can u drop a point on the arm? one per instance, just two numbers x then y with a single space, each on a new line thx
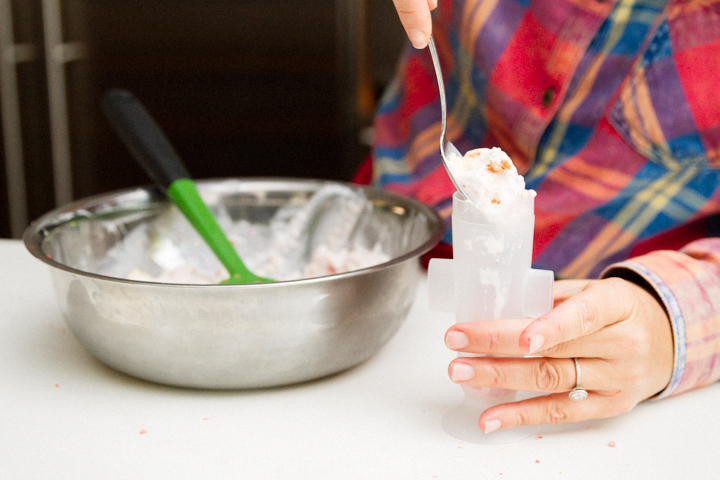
651 326
688 285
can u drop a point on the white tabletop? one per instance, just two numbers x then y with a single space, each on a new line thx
65 415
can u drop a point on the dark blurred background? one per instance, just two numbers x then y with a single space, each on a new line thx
241 87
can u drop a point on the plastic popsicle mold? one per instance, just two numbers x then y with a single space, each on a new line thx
489 278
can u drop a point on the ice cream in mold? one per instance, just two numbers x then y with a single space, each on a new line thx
490 276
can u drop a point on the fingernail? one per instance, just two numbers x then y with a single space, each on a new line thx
536 342
492 425
433 4
456 340
418 38
462 372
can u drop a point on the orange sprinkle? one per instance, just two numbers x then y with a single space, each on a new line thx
499 167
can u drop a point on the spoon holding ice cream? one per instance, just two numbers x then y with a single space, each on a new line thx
448 151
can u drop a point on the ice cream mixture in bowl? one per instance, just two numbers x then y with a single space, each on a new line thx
140 289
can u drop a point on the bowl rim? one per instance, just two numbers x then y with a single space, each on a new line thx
39 229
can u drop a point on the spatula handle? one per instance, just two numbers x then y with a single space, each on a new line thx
143 137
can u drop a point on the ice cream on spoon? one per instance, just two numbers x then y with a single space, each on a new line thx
488 177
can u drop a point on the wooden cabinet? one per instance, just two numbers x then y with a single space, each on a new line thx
241 88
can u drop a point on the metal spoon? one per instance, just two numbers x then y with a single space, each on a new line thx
153 151
446 147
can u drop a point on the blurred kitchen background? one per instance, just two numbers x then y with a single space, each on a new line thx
241 87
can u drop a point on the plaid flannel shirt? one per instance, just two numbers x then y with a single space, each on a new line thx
609 109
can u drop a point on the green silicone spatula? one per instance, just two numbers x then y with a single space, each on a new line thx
147 143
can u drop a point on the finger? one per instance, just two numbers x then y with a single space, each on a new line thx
415 18
553 409
564 289
498 337
607 344
600 304
539 374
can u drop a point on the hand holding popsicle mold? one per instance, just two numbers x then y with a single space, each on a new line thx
617 329
415 17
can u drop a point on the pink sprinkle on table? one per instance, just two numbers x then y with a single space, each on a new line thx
611 444
143 431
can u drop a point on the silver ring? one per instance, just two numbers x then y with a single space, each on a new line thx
578 393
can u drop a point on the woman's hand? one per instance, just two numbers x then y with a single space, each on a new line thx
415 17
619 332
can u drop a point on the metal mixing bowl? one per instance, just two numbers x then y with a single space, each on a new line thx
229 336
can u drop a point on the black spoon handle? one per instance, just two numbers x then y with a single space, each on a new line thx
143 137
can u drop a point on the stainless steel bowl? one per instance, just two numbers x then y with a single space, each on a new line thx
229 336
